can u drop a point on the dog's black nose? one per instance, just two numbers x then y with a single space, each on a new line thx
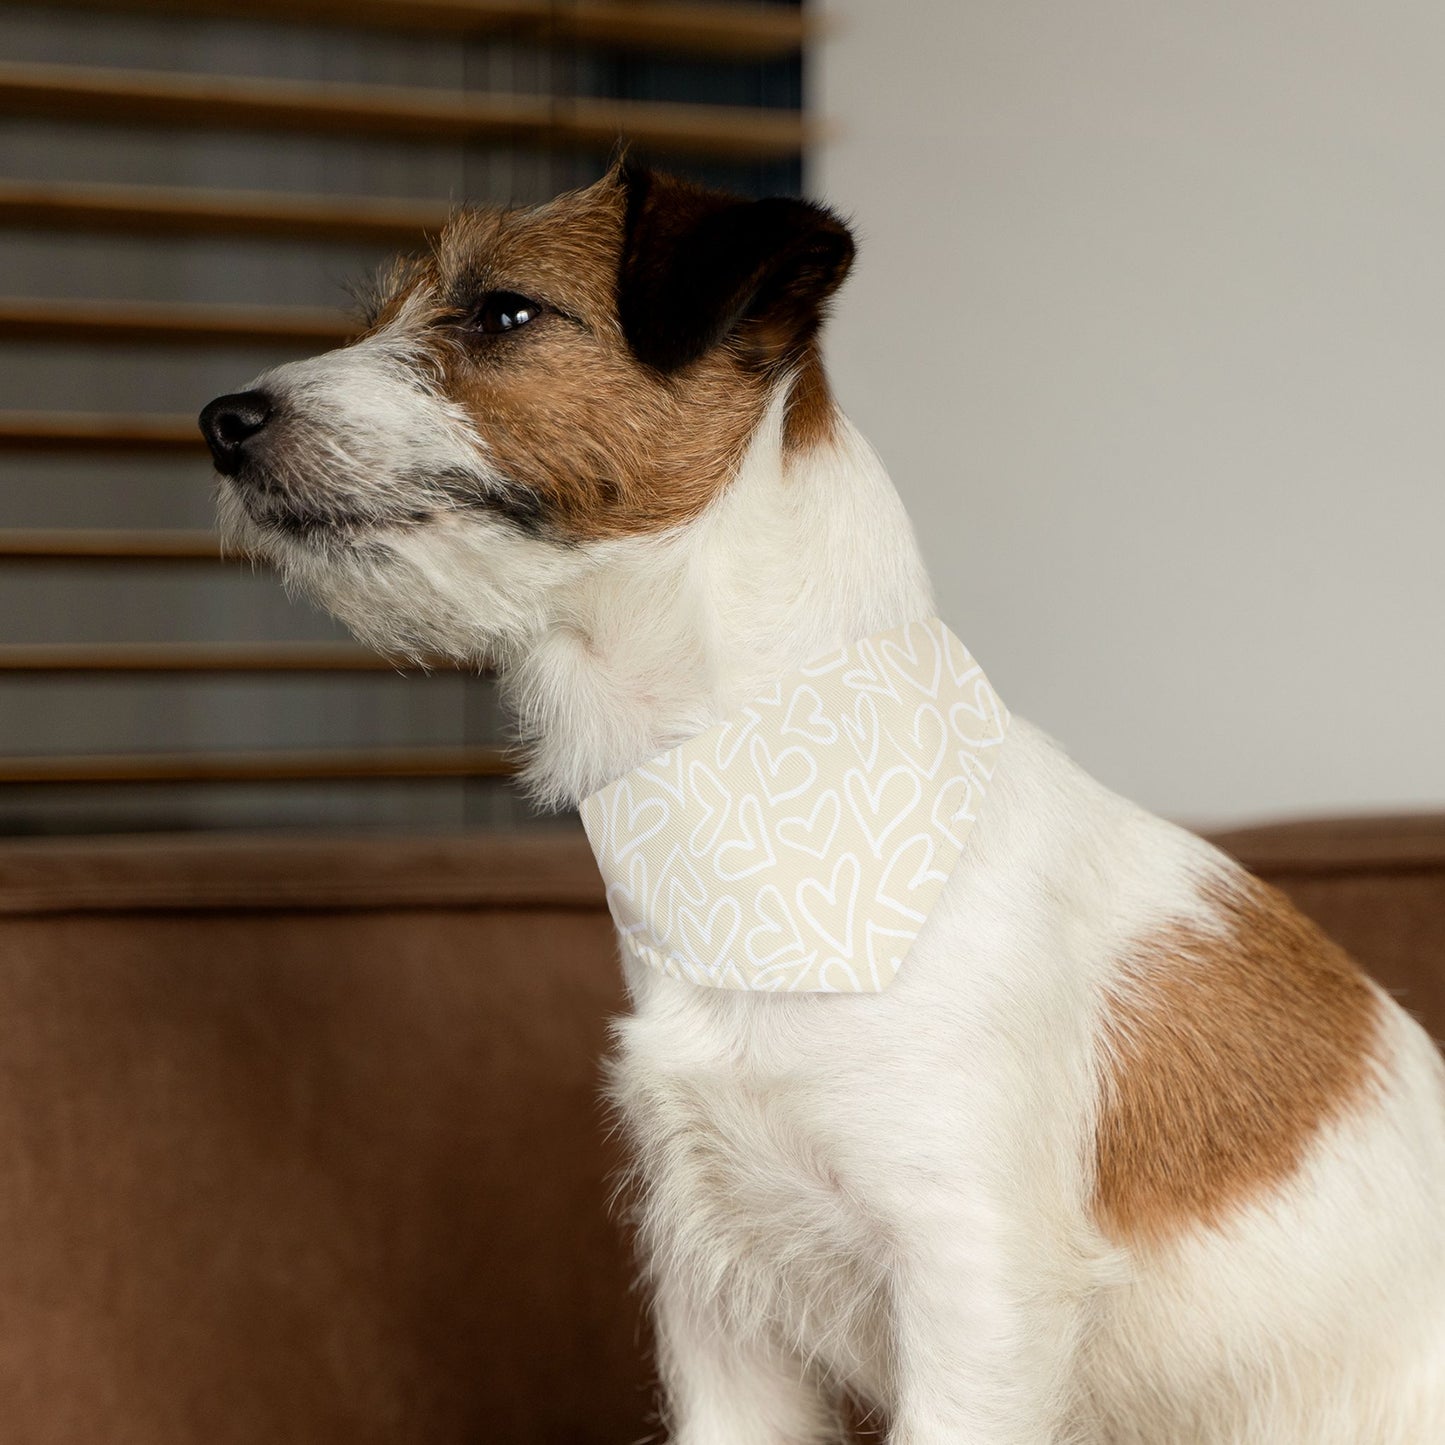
229 422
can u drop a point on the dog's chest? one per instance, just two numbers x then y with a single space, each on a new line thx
745 1164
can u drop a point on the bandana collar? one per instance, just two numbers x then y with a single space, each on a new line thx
799 846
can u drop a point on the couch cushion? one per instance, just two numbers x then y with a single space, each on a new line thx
302 1143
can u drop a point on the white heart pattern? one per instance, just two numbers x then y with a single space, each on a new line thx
759 855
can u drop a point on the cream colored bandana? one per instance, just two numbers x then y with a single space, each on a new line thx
799 846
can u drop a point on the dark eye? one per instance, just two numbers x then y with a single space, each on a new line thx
504 311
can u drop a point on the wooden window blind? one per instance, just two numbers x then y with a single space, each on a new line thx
186 186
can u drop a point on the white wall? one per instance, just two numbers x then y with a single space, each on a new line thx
1149 324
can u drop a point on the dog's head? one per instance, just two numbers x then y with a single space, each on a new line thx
544 383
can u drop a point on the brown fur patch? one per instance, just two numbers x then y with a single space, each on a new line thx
1227 1052
812 415
604 444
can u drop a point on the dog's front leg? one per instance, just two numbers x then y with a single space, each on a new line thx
722 1387
984 1337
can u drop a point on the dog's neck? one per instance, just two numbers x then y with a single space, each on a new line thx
804 552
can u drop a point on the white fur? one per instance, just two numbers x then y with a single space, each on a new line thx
890 1194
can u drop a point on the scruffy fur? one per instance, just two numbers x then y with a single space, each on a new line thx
1128 1154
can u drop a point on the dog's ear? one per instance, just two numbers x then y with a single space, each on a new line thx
700 266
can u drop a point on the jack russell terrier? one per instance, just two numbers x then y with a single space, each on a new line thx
957 1086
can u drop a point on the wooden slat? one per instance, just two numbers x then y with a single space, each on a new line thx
173 211
81 544
759 32
77 431
221 102
331 765
171 323
705 29
293 869
188 657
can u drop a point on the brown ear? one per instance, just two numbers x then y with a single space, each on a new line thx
699 266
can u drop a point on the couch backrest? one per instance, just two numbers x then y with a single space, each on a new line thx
302 1142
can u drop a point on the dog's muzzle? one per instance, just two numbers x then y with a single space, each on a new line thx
231 423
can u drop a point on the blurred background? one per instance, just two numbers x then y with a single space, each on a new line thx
1149 324
187 194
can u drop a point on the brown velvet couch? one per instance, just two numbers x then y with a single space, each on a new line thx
302 1142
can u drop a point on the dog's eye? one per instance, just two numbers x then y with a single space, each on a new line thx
504 311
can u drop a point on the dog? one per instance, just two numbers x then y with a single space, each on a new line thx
1128 1152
